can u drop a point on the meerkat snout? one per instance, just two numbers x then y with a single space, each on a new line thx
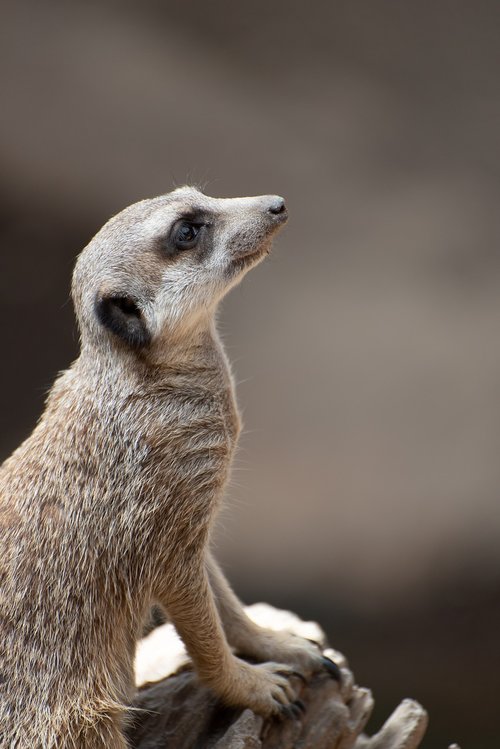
160 267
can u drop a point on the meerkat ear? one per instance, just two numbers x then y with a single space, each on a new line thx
121 315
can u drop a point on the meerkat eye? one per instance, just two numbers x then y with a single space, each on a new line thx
185 234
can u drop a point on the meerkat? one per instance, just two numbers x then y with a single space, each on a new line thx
106 509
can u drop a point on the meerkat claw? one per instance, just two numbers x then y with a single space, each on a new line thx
300 706
332 668
290 711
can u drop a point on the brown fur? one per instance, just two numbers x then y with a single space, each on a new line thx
107 506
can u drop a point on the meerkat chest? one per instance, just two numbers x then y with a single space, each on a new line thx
193 433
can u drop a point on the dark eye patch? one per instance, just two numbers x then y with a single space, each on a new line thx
190 232
185 235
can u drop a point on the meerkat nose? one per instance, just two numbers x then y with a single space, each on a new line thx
277 205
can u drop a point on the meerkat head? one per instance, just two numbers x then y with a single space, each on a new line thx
159 268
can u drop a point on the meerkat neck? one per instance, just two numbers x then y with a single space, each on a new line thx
102 368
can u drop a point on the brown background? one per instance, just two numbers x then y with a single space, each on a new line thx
367 347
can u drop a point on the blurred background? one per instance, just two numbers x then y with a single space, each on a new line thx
366 492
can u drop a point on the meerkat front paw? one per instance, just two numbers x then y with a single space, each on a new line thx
265 688
304 655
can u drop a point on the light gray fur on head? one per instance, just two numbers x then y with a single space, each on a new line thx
173 291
